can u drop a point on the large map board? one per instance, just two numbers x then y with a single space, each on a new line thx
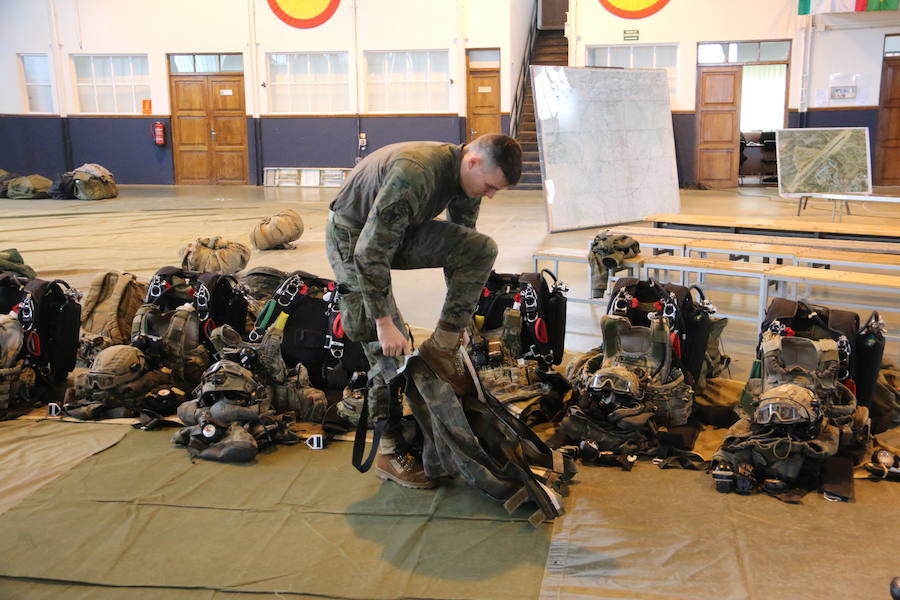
606 145
828 160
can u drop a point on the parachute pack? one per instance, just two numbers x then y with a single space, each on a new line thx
800 410
107 312
539 306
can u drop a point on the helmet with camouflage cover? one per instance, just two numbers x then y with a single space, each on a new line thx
114 367
228 379
788 409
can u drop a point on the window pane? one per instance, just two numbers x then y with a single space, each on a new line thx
745 52
376 97
440 67
281 98
774 50
233 63
892 43
37 68
122 68
762 97
667 56
319 98
375 66
418 97
396 66
83 69
418 66
397 100
105 100
141 93
340 97
711 53
140 69
102 69
484 59
39 98
642 57
181 63
300 98
124 101
299 67
207 63
440 96
279 70
339 66
620 56
86 100
318 67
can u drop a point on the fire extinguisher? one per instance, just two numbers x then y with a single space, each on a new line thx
159 133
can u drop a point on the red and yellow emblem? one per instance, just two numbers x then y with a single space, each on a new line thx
633 9
304 13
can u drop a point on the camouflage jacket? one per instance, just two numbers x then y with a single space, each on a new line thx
392 190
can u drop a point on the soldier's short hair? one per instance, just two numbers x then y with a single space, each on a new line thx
502 151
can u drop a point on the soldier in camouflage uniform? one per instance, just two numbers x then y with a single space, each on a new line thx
383 218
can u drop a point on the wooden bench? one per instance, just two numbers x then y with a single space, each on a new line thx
815 229
848 245
706 266
863 260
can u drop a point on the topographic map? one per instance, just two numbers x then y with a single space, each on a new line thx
824 161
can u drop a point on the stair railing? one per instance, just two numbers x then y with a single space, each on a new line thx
519 98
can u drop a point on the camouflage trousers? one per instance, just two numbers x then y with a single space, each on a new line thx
467 258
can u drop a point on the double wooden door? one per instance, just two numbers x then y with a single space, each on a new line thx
209 129
887 153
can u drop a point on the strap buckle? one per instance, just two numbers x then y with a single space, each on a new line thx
335 347
288 290
315 441
54 409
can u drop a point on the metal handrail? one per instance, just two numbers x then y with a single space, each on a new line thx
519 98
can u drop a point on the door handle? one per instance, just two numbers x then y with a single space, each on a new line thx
212 132
474 131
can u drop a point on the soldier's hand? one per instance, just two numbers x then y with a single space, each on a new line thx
393 342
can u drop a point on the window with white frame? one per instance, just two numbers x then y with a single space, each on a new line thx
111 83
36 69
638 56
416 81
308 82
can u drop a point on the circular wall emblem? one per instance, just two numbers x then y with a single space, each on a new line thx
304 13
633 9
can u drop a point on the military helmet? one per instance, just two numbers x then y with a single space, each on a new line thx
227 378
11 336
612 388
115 366
789 408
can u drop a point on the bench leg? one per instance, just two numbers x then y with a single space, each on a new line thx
763 298
701 276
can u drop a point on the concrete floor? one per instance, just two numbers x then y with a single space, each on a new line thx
142 229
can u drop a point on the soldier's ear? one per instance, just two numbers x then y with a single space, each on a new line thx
472 161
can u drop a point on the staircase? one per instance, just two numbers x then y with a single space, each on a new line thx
550 48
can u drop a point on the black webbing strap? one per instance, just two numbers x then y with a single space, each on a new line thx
359 440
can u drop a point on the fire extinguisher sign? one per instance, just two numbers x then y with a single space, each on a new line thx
147 107
304 14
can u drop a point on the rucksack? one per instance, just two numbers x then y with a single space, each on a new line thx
94 182
278 231
108 310
172 339
314 334
696 332
16 379
12 261
216 297
542 307
214 255
5 178
50 317
28 187
64 187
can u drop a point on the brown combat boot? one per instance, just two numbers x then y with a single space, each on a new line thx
447 364
403 469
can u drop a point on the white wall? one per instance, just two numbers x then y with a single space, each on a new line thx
172 26
520 23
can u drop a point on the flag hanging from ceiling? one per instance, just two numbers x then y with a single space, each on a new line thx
815 7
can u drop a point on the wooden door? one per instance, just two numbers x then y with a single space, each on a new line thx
552 14
483 106
209 129
718 126
887 147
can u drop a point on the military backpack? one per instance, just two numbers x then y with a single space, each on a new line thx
108 310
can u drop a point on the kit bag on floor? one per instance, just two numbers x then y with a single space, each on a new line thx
11 261
542 307
64 187
261 282
16 379
51 318
5 178
29 187
696 332
278 231
314 333
94 182
109 307
214 255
